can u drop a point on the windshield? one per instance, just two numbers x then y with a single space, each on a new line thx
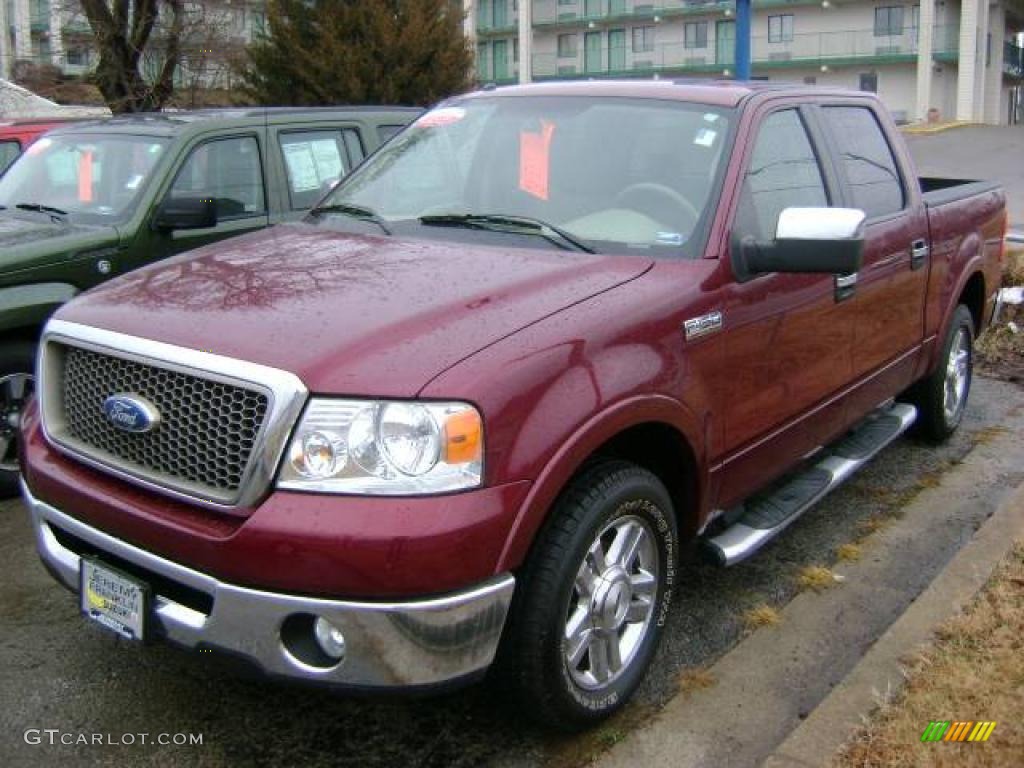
96 179
618 174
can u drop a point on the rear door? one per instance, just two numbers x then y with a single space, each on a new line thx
890 290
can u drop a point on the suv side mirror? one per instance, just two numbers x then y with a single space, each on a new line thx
827 240
186 213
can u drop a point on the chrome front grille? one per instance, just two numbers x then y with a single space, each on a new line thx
207 428
223 422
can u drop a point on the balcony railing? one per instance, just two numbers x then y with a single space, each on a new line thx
811 49
1013 60
551 12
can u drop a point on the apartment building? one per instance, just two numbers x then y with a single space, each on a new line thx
958 59
56 32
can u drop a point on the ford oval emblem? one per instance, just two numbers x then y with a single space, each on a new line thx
131 413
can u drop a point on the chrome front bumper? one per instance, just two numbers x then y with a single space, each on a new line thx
388 645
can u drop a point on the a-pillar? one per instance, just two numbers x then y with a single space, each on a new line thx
925 45
525 41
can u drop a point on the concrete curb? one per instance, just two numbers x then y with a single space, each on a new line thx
879 673
923 129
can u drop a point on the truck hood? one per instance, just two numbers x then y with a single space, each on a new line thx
349 314
35 240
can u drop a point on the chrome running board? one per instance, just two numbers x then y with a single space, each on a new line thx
767 514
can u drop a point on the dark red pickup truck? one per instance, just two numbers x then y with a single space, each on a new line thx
472 407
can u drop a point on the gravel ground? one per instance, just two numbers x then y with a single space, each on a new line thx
63 674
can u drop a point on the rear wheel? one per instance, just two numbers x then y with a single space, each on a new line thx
594 597
942 397
16 384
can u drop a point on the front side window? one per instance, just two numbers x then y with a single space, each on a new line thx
696 34
623 174
780 28
889 21
783 173
94 178
867 160
8 151
229 171
314 162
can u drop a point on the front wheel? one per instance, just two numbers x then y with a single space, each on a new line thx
16 384
595 596
942 397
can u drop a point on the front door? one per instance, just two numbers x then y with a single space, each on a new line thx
725 43
592 52
616 50
786 337
500 59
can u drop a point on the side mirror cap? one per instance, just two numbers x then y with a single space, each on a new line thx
186 213
809 240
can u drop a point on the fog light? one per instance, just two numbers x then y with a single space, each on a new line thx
329 638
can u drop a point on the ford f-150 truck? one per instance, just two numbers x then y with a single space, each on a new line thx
468 412
93 200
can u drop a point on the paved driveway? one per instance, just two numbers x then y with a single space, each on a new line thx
976 152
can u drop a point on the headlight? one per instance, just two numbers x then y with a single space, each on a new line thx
386 448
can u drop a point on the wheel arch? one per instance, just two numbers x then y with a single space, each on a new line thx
655 432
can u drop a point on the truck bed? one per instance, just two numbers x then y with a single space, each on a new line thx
937 190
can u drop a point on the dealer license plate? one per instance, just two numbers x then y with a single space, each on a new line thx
114 599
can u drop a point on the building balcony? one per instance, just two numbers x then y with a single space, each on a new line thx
552 13
817 50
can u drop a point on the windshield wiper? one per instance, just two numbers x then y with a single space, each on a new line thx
499 222
40 208
355 211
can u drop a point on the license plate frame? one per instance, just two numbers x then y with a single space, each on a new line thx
114 599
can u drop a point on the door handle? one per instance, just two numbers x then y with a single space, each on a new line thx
846 286
919 251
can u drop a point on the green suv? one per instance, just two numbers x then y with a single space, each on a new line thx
91 201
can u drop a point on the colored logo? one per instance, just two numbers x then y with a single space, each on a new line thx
958 730
131 413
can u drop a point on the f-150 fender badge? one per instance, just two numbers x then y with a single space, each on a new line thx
704 325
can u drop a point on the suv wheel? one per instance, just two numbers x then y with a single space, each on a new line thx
595 596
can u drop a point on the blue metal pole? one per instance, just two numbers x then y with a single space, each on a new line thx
742 39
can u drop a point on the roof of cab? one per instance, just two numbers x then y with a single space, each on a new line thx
174 123
720 93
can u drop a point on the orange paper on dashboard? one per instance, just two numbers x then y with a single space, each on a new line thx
534 160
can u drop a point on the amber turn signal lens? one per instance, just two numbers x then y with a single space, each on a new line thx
462 433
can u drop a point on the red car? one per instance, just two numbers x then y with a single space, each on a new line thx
473 406
16 135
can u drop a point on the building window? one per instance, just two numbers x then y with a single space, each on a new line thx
810 80
869 82
567 2
697 34
780 28
889 21
567 46
643 39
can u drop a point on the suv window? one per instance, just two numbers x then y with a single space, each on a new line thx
227 170
9 150
385 132
783 173
314 162
867 159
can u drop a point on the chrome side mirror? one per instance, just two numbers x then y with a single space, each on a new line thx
814 240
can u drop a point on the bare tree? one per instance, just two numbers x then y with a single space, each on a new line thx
123 29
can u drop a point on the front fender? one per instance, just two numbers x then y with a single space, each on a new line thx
28 306
584 441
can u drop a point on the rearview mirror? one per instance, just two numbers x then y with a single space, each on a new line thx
814 240
186 213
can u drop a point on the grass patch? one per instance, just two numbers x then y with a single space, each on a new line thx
848 553
762 616
695 679
816 577
973 671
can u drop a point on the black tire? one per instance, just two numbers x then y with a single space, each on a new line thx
936 422
605 495
16 359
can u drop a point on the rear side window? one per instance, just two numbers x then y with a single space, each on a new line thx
867 160
783 173
228 170
385 132
9 150
315 161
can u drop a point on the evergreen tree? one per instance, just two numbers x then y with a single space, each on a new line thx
358 52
